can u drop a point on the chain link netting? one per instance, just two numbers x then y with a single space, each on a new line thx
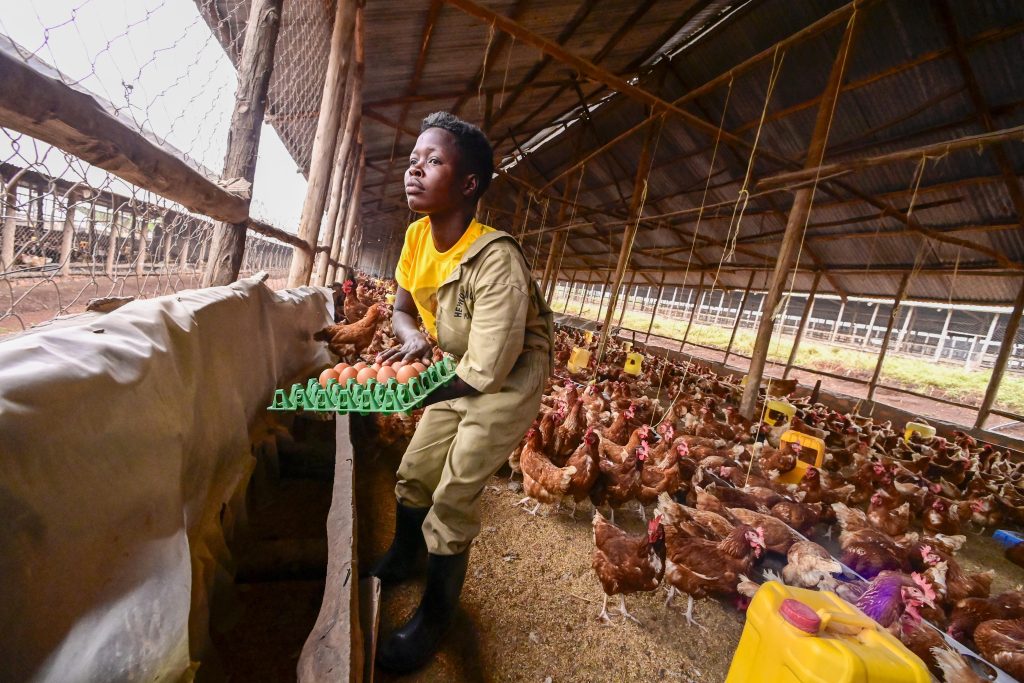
72 232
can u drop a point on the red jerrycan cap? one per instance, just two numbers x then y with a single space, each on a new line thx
800 615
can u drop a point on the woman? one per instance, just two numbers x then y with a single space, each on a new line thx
473 290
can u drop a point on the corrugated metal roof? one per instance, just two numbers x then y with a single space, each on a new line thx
904 87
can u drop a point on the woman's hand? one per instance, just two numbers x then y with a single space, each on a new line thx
415 347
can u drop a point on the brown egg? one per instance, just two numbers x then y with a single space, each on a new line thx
385 373
406 373
375 367
360 365
365 375
327 375
420 367
397 365
346 375
340 368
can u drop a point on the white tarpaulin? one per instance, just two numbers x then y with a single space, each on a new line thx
125 440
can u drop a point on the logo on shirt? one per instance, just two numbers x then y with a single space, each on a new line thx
460 306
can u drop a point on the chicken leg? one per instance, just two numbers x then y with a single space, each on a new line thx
624 612
689 614
526 500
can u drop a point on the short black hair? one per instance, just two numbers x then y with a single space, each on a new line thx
477 155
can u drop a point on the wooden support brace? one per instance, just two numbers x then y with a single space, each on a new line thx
888 335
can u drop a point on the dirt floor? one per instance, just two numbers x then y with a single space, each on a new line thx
530 604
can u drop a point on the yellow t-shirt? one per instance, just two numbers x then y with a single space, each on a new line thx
422 268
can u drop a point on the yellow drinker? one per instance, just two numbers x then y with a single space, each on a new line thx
634 363
926 431
794 635
578 359
812 452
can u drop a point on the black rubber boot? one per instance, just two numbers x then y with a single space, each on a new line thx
412 646
407 547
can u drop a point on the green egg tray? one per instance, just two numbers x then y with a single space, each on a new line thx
372 397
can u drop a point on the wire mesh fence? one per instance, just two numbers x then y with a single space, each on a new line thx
941 354
72 232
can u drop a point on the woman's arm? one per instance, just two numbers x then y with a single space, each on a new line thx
414 344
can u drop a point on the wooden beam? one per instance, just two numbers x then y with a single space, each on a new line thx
37 103
654 308
797 220
888 334
635 209
936 149
828 21
254 69
802 327
322 155
999 369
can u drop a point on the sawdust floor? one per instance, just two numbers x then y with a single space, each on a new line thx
530 602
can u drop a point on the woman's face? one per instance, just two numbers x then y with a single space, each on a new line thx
433 180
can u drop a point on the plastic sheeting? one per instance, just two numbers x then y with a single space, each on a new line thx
125 441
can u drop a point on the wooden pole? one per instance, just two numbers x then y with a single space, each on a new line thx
340 220
108 268
586 293
557 243
942 336
904 328
68 236
255 66
739 315
796 222
348 157
322 155
140 262
352 219
635 209
871 326
984 344
605 290
697 300
838 321
187 228
568 294
654 308
888 335
168 241
802 327
1005 350
625 297
10 226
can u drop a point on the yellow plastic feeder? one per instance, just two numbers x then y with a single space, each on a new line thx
797 635
634 363
812 452
390 298
628 345
588 336
925 431
578 359
778 412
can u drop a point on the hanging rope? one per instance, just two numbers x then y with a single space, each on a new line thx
504 80
572 217
483 71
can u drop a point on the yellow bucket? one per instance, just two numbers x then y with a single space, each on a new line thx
588 336
777 412
795 635
634 363
812 452
926 431
578 359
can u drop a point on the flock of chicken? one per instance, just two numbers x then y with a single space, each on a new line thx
720 510
719 514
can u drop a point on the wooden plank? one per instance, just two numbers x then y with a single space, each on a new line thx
37 103
802 327
334 649
254 68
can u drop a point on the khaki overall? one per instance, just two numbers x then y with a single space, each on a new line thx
492 316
